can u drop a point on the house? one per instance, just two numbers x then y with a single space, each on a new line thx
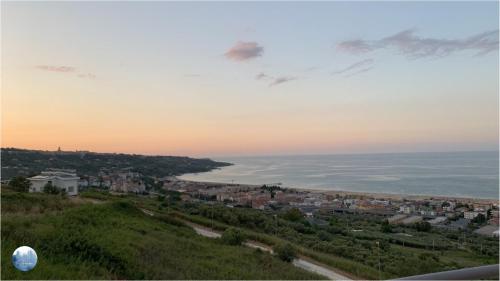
407 209
471 215
66 180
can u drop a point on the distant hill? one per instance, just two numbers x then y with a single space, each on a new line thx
17 161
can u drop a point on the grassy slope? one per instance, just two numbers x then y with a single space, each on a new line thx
76 240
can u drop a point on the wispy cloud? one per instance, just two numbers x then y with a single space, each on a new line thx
354 66
66 69
243 51
281 80
359 72
274 80
262 76
192 75
56 68
87 75
413 46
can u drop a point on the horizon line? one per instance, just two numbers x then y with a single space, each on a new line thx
262 155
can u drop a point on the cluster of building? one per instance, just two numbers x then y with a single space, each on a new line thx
120 180
445 213
438 212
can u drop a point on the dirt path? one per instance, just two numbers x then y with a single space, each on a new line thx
301 262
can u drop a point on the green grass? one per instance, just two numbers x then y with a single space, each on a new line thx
115 240
354 252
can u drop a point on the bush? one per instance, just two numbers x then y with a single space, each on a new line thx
285 252
232 236
423 226
20 184
386 227
51 189
293 214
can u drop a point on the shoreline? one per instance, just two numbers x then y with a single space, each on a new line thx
375 195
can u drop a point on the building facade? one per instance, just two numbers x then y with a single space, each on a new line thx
66 180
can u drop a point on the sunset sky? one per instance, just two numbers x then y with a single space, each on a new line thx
210 79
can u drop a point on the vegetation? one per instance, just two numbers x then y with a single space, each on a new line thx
51 189
423 226
285 252
77 238
233 236
20 183
30 162
385 226
354 242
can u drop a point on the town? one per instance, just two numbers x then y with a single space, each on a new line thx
480 216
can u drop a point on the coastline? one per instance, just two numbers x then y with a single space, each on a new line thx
358 194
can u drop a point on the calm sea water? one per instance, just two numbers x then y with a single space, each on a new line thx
461 174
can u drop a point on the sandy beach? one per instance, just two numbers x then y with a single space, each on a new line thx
358 194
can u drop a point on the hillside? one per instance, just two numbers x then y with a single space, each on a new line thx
81 238
28 162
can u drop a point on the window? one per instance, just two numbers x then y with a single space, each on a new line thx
70 189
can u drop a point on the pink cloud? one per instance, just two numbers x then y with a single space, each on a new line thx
243 51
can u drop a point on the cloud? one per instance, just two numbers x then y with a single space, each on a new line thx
192 75
281 80
355 46
413 46
87 75
262 76
354 66
274 80
66 69
55 68
359 72
243 51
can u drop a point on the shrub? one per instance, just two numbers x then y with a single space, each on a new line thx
285 252
20 184
293 214
51 189
232 236
423 226
386 227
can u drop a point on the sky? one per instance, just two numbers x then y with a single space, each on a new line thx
250 78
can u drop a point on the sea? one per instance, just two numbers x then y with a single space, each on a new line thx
454 174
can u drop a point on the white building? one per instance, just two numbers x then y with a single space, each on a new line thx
473 214
407 209
63 179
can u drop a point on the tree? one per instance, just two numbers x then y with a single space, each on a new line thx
423 226
479 219
51 189
293 214
232 236
20 184
386 227
489 214
285 252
